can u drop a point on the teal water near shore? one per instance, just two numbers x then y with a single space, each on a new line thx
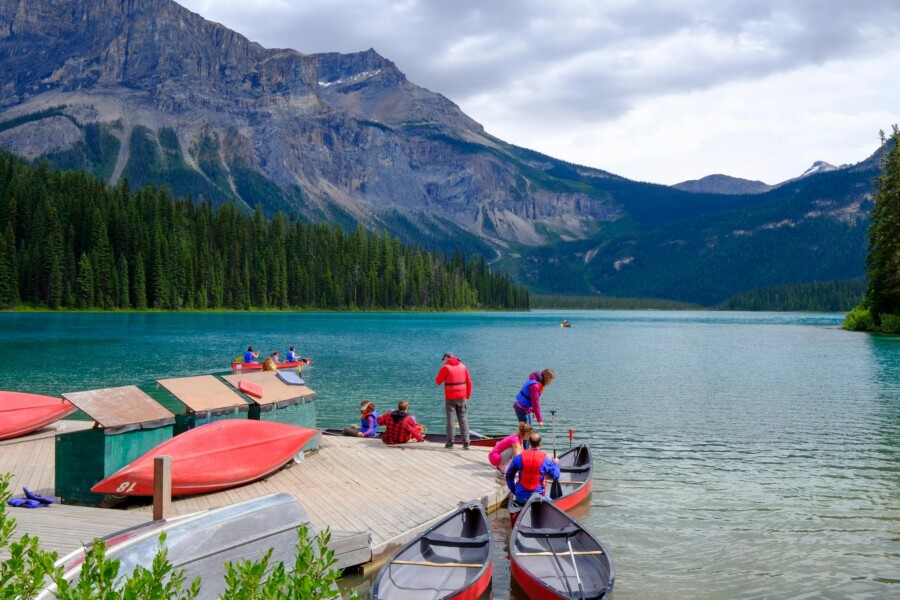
738 455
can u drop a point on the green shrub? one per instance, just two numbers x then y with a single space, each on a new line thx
859 319
28 569
890 323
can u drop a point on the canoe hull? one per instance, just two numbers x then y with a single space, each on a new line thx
487 441
22 413
213 457
452 560
552 556
577 474
257 366
240 531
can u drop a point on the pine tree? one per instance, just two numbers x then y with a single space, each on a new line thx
883 263
84 283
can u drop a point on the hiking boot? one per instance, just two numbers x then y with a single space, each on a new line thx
448 445
465 446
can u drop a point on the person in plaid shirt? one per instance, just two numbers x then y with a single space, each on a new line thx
401 427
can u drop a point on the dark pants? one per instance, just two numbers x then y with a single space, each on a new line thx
521 415
457 408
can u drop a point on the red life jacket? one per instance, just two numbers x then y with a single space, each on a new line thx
530 475
455 382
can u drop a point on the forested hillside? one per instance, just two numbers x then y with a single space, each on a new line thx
815 296
69 241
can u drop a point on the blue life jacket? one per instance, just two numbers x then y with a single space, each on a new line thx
292 356
524 395
248 357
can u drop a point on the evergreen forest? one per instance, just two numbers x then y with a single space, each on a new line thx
69 241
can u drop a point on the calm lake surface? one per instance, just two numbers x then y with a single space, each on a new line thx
738 455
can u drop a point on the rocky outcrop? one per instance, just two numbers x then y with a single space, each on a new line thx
346 131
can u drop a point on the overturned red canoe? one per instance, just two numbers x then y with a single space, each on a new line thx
22 413
212 457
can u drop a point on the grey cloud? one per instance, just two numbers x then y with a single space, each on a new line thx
584 60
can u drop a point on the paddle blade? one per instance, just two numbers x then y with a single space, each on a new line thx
555 489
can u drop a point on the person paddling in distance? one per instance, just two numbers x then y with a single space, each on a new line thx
292 356
400 426
250 356
274 356
528 400
510 447
532 466
457 391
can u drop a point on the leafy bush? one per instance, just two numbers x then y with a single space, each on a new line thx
859 319
312 575
890 323
29 568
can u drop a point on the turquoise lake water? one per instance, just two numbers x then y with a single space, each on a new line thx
738 455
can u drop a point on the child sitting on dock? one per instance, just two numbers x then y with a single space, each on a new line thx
368 418
401 426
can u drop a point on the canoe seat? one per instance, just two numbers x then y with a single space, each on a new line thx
439 539
567 530
583 469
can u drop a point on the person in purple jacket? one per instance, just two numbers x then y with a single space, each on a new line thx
368 419
368 422
528 400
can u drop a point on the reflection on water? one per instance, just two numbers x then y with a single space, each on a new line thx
737 455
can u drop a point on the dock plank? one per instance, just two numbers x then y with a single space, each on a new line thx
389 494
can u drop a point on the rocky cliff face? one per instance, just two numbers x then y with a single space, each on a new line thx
147 91
214 115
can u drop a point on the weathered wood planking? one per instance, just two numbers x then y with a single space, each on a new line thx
63 528
374 497
394 492
30 459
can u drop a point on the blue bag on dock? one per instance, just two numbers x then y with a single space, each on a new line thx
291 378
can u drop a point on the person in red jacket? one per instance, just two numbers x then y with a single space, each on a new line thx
401 426
457 391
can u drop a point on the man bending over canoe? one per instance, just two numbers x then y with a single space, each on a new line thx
533 466
401 426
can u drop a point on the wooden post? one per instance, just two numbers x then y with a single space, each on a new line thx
162 487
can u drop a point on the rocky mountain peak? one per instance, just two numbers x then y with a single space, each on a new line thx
722 184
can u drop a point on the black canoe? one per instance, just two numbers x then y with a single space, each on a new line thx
576 466
453 559
552 556
475 439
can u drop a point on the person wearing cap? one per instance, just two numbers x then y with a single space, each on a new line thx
457 391
368 422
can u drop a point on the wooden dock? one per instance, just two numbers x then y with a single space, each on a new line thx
373 497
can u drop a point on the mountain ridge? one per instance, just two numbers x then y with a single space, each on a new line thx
155 94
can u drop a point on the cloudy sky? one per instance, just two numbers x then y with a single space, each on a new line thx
655 90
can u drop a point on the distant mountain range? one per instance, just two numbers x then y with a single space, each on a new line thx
152 93
724 184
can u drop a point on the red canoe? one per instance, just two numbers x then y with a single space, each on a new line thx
577 476
576 467
453 560
257 366
552 557
22 413
212 457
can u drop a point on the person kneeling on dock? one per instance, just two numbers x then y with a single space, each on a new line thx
401 426
533 466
